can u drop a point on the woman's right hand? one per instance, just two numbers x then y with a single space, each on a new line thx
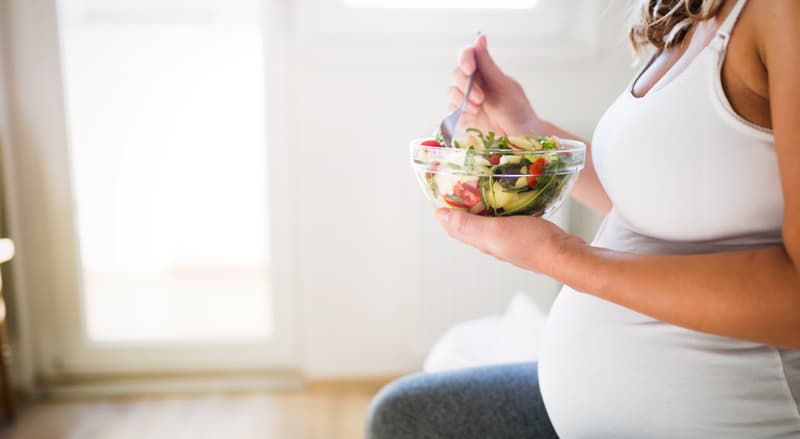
497 102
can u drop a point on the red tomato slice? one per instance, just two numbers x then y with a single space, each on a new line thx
454 203
536 167
467 192
431 142
536 170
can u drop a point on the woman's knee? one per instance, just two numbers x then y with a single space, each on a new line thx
396 410
491 401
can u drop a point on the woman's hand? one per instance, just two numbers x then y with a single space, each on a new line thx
497 102
525 241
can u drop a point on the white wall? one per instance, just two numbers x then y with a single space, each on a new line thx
376 280
379 280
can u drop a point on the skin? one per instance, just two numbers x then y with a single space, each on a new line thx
751 295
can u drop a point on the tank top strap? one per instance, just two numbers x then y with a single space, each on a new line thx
720 41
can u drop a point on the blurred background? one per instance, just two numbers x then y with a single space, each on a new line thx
214 228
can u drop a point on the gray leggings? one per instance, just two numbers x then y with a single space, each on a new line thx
491 402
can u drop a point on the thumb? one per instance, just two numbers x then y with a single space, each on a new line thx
485 63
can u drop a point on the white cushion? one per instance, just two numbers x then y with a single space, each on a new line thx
510 338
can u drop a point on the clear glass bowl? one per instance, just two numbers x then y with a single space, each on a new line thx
498 182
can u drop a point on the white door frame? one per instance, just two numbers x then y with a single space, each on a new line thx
52 341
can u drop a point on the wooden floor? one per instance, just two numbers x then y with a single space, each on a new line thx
327 412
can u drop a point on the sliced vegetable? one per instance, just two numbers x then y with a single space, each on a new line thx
455 201
469 194
469 159
495 175
537 170
550 142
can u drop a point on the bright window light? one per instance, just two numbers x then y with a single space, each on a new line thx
443 4
169 163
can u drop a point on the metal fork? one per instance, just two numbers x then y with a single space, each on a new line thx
450 121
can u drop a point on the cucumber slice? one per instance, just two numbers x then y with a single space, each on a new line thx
501 199
529 202
521 202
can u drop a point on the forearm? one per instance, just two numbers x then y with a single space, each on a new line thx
752 295
588 190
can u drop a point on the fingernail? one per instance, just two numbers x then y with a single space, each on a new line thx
443 215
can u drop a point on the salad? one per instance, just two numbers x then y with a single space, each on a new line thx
493 175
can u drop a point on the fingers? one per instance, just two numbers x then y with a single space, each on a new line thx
477 231
456 97
460 80
490 71
467 121
466 60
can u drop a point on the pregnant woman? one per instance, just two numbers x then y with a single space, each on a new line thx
682 318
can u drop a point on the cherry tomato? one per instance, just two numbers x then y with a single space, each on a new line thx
431 142
536 167
536 170
467 192
494 159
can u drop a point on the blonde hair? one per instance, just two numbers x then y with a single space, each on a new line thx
665 23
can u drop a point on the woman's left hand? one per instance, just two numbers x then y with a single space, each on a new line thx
525 241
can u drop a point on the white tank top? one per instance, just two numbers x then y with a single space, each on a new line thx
686 175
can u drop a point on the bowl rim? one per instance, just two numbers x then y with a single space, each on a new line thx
573 146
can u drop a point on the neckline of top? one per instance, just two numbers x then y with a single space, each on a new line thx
718 43
673 76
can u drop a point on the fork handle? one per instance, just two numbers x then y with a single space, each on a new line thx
466 93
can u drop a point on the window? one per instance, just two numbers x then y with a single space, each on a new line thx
166 114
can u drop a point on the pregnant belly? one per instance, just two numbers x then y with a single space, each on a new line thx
606 371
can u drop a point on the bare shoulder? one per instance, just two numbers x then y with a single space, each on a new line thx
775 12
764 48
776 28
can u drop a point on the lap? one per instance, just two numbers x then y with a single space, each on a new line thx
495 402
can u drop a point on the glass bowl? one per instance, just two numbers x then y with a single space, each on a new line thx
498 182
